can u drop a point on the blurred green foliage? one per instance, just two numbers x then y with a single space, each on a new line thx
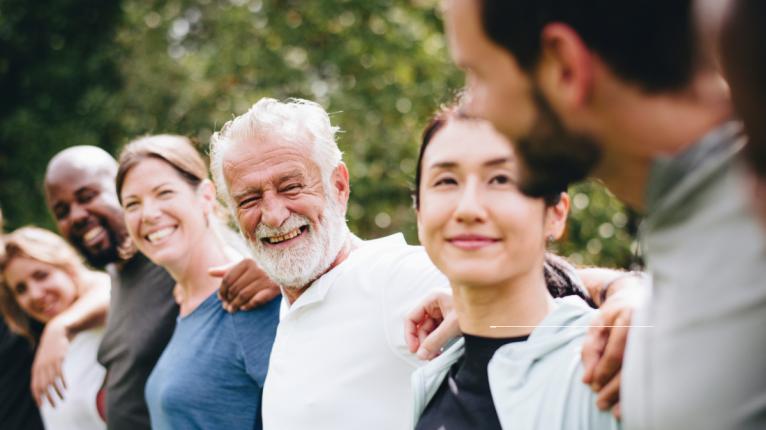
92 72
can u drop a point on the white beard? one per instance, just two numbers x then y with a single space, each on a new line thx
299 265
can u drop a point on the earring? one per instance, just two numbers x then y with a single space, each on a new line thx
550 238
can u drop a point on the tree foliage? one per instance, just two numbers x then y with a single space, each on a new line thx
91 72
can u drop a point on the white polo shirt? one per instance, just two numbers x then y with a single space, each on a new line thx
339 360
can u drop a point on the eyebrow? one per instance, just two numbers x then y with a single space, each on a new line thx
452 164
290 175
246 192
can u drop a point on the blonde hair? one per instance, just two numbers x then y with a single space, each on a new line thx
179 153
41 245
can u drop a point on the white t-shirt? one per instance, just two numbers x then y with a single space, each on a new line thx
339 360
83 376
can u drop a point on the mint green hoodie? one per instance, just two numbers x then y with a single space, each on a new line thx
535 384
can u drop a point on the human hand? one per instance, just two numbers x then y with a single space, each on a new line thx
46 367
430 325
244 285
604 346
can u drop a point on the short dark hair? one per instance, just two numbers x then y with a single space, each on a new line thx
649 42
446 114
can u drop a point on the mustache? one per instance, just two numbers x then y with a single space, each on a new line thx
292 222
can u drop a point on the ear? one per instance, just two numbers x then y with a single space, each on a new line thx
556 217
341 184
419 225
206 191
565 70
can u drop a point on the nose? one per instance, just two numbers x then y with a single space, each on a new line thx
77 214
274 213
470 209
35 292
150 211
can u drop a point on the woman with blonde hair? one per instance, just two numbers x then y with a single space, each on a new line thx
212 371
43 277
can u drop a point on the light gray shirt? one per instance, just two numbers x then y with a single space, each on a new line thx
701 363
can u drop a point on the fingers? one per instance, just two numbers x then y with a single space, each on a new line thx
261 298
240 276
411 323
219 271
227 273
425 329
431 345
593 347
411 338
58 388
611 361
609 395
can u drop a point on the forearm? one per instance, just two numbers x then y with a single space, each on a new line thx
601 283
88 311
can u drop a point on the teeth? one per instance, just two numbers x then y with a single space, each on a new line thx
287 236
92 233
160 234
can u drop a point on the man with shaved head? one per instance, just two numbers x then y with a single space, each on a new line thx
79 190
80 193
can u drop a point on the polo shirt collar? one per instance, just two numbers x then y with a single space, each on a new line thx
317 291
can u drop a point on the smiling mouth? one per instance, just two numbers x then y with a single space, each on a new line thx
292 234
159 234
92 236
471 242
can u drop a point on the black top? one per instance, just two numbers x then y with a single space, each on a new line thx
463 400
142 317
17 408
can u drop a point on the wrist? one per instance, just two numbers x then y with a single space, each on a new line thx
61 324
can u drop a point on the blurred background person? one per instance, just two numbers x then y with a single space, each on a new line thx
518 365
42 277
17 407
212 371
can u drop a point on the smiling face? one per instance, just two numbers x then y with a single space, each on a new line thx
83 200
165 215
475 224
42 290
294 225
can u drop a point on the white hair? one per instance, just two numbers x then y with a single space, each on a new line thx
297 121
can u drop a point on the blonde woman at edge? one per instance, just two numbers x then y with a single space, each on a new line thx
43 277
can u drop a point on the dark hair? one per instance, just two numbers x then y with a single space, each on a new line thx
743 56
445 115
649 42
562 280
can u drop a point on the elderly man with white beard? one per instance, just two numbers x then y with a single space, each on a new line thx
339 360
